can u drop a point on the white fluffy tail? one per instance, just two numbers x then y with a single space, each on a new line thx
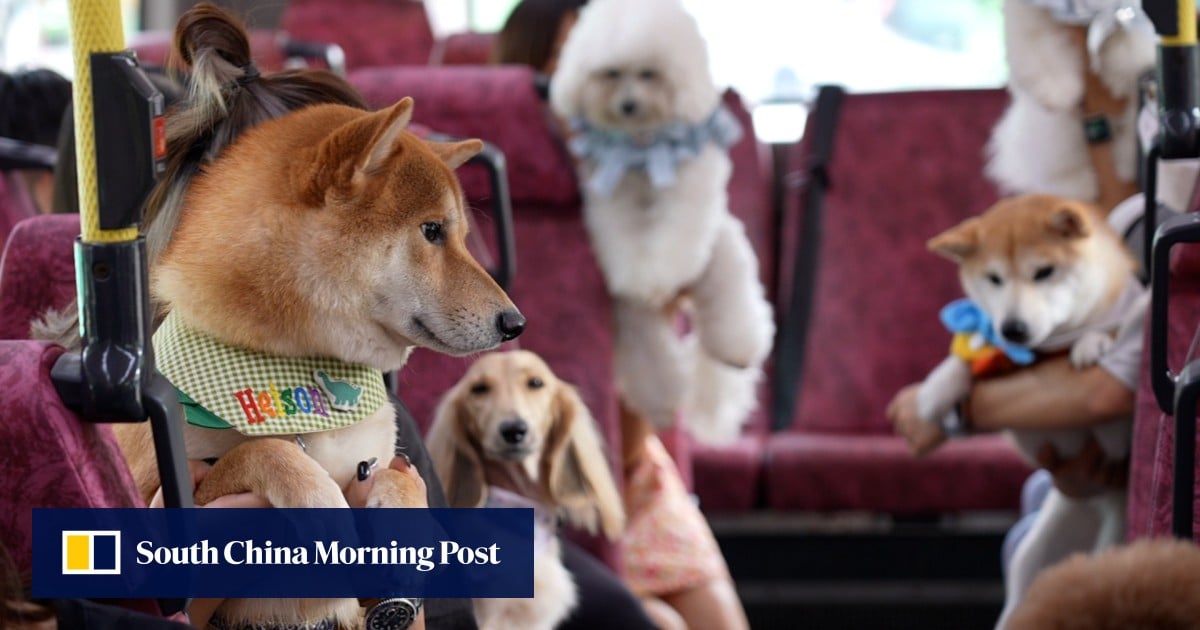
720 397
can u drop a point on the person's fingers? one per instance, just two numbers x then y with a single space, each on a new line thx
157 500
241 500
360 486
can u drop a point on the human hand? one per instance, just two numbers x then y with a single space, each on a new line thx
199 470
1085 475
922 437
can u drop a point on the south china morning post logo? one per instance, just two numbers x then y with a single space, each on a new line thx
91 552
141 553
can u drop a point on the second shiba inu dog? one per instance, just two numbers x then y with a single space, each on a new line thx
1043 275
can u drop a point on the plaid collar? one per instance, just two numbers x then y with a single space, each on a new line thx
223 387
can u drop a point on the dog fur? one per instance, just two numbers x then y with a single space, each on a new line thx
1055 267
1150 584
655 245
557 461
1038 145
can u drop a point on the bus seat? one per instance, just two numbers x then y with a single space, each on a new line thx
37 272
904 166
371 32
51 458
469 48
557 285
1152 456
727 478
154 47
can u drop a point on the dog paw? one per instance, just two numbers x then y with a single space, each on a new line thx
1090 347
395 489
1055 93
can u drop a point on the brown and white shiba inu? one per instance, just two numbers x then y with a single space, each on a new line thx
1043 275
309 248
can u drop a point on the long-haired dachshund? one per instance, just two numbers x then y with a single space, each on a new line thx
511 434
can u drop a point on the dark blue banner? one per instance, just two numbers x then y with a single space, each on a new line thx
364 553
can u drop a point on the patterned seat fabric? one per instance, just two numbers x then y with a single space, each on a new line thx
15 204
51 458
37 272
154 48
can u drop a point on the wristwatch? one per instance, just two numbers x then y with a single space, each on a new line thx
393 613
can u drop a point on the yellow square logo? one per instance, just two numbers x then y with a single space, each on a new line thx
91 552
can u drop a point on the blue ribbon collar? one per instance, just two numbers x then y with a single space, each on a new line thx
659 153
965 316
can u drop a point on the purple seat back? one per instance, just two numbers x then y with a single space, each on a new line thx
371 32
463 49
51 458
905 167
37 272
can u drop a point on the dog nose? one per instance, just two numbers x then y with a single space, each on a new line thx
510 323
514 431
1014 330
629 108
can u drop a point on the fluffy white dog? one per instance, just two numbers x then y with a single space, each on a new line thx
651 135
1040 145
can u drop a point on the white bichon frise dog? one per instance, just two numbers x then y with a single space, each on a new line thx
651 136
1041 143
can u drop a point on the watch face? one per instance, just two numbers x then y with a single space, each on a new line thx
392 614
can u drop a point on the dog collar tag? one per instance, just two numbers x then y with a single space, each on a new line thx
222 386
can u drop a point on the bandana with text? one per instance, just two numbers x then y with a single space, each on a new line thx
223 387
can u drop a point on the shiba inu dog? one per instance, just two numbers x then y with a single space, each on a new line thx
308 255
1043 275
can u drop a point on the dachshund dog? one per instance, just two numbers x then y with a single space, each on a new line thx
511 434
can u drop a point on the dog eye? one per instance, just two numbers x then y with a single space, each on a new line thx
1041 273
995 279
432 231
648 74
535 383
480 389
612 73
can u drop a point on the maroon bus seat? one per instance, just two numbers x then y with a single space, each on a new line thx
37 272
470 48
371 32
727 478
51 458
905 166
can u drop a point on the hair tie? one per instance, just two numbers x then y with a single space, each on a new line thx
250 73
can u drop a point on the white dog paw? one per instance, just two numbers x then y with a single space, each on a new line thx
1090 347
1056 93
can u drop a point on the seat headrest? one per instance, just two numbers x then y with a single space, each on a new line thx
37 271
498 104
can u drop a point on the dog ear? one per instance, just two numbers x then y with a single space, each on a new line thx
1068 222
343 158
958 242
455 154
574 473
383 143
455 453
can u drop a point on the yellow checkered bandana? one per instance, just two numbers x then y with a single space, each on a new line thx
224 387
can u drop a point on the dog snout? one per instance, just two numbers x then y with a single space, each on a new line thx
1014 330
629 108
510 323
514 431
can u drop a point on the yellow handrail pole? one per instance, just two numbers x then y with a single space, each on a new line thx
95 27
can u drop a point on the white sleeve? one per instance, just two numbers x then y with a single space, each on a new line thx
1124 360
